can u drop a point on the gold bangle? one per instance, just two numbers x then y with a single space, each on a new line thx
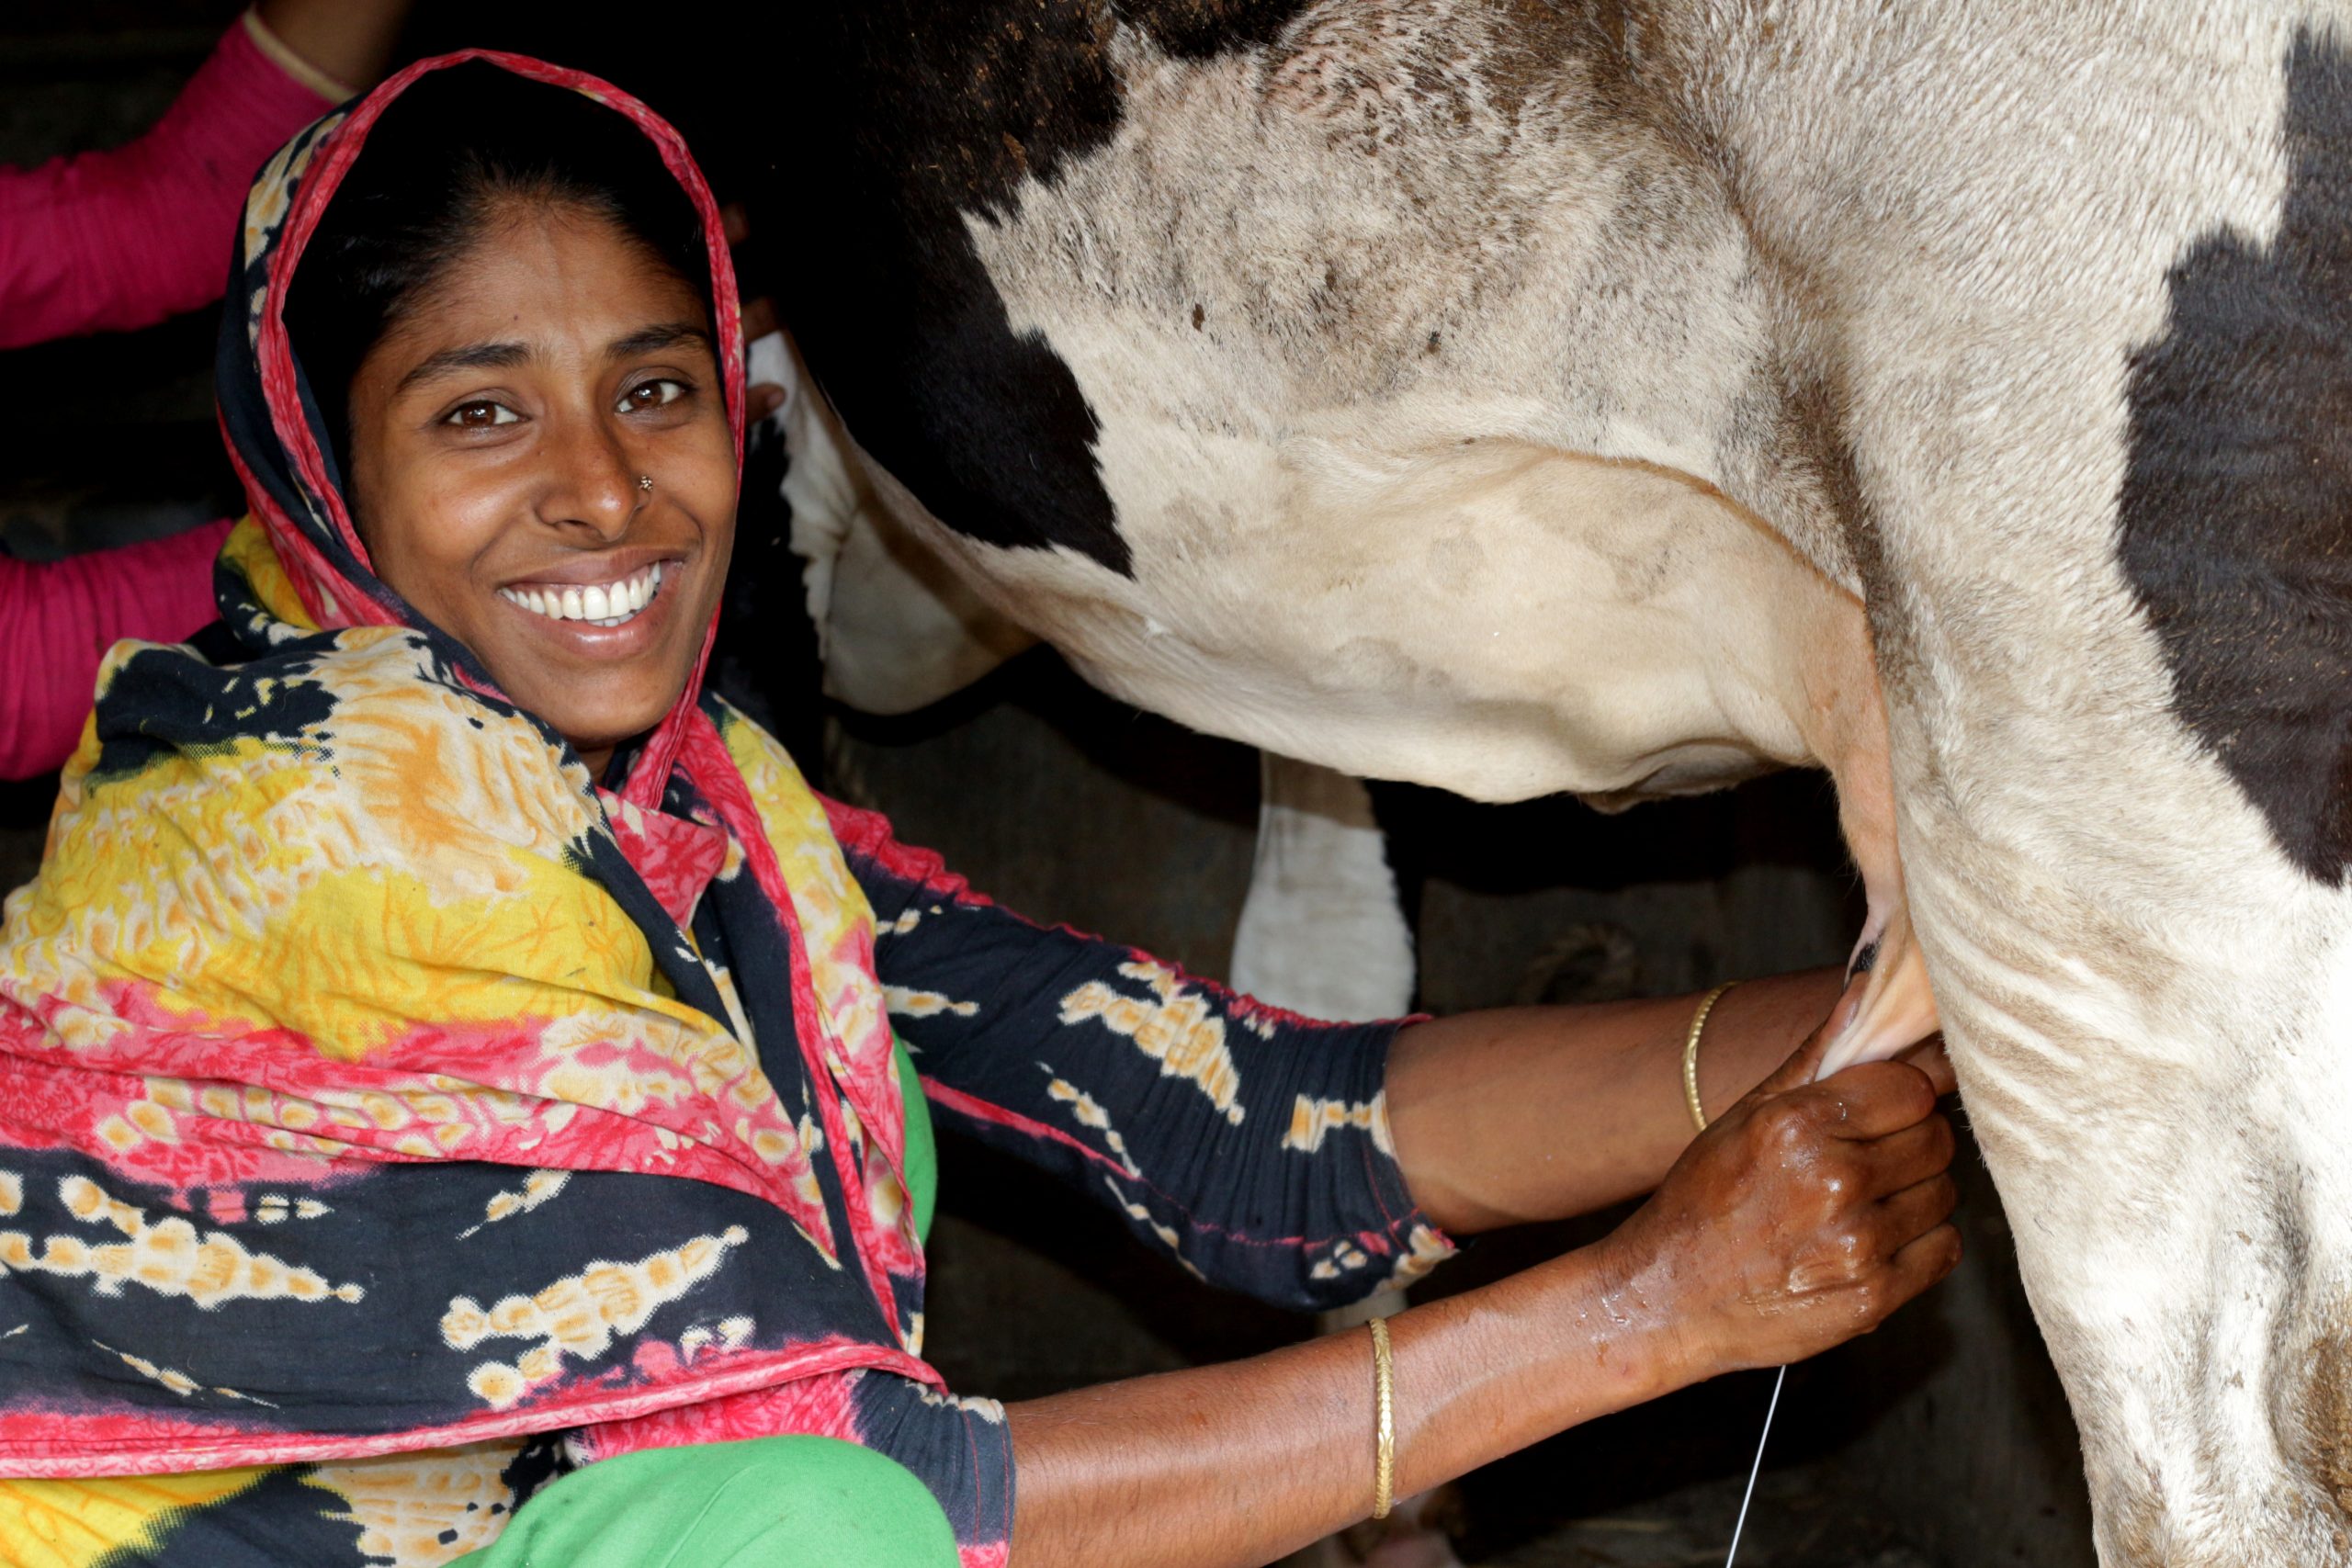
1383 1421
1691 1054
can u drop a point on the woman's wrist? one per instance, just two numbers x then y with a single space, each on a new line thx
1649 1299
1753 1028
1584 1334
1650 1326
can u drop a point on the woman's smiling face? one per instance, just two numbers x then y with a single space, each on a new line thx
502 432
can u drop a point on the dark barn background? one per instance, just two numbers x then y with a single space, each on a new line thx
1941 1441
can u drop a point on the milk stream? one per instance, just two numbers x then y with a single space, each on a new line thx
1754 1470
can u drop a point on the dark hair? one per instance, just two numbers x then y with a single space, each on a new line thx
447 153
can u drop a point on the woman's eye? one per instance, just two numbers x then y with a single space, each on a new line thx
481 415
653 394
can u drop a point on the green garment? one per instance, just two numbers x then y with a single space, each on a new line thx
769 1502
922 1151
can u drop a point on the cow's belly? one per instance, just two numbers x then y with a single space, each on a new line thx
1486 616
1489 617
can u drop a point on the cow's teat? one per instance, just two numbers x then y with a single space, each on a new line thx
1846 727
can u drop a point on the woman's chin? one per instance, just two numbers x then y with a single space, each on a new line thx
594 729
597 711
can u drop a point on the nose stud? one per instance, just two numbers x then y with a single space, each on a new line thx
645 483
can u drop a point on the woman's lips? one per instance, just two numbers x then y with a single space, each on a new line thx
634 609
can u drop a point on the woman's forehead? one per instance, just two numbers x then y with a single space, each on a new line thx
557 284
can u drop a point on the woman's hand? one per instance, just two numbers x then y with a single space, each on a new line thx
1803 1216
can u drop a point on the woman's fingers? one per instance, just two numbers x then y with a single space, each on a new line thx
1905 1158
761 398
1804 1217
1905 1216
1930 1057
1921 1263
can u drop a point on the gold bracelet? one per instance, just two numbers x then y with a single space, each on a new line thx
1383 1421
1691 1054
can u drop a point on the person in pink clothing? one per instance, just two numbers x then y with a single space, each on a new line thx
115 240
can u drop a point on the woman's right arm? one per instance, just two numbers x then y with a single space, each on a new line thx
1801 1218
121 239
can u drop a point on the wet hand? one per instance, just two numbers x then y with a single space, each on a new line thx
1803 1217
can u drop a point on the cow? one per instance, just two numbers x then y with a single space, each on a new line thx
1624 396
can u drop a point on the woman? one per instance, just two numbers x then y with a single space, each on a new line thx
446 1048
113 240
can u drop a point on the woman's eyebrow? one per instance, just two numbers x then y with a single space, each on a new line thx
466 356
653 339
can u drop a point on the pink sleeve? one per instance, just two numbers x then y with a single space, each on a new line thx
58 619
106 242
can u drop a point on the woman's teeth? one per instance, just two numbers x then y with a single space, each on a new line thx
606 605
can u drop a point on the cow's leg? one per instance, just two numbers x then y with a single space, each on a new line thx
2139 995
1323 932
2088 428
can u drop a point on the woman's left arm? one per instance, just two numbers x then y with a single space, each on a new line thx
1514 1114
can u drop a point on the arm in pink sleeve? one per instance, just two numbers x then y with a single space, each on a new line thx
106 242
58 619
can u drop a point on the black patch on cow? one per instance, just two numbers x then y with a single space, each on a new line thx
899 119
2237 502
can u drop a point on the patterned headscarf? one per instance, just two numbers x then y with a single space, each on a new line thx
371 1078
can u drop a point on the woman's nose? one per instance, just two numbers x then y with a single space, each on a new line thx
593 484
